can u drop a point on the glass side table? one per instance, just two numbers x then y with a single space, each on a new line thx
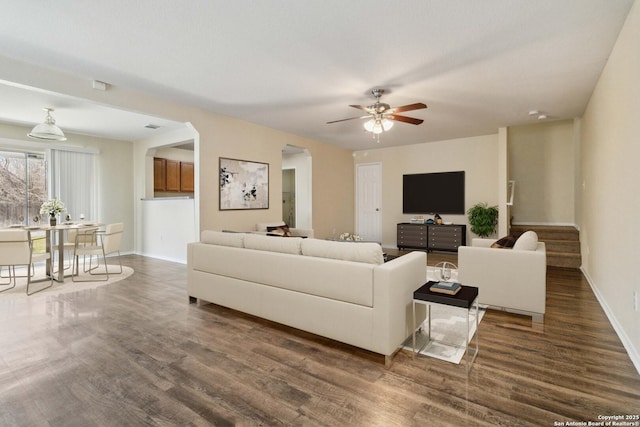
466 298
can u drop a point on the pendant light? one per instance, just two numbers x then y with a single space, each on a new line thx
48 130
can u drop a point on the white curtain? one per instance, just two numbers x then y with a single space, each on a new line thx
73 180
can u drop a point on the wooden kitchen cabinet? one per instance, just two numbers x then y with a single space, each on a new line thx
173 176
159 174
186 177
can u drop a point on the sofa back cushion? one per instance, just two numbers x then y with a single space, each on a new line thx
528 241
288 245
349 282
367 252
211 237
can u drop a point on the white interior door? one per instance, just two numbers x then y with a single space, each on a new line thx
369 201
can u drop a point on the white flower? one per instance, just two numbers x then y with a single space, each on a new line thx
349 236
52 207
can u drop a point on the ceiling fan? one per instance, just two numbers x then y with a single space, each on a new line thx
381 115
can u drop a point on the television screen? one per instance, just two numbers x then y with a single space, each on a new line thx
431 193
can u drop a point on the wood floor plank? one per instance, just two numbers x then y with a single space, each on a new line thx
137 353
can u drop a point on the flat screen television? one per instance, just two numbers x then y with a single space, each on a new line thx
431 193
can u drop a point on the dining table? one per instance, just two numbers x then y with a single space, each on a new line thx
55 241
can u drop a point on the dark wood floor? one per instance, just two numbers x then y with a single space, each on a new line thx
136 353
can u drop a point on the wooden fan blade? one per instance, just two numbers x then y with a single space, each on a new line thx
404 119
351 118
410 107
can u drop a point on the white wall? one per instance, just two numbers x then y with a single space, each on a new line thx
542 162
610 177
167 227
477 156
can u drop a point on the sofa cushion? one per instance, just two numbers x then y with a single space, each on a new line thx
223 239
281 230
527 242
368 252
273 244
505 242
318 277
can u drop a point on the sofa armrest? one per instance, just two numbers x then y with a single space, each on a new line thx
507 278
393 285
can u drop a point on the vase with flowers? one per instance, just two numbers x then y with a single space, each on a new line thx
350 237
52 208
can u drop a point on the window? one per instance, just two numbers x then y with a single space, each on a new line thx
29 178
73 180
23 186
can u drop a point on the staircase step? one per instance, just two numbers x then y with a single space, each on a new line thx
563 259
548 232
562 243
567 246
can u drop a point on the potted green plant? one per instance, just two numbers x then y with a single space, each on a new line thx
483 219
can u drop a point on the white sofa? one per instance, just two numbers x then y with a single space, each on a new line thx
509 279
337 290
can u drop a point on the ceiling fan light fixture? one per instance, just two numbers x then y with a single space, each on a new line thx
382 117
369 125
48 130
377 126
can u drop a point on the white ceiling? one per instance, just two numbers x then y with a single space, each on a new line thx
294 65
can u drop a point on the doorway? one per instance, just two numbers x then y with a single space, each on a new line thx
289 197
369 201
297 182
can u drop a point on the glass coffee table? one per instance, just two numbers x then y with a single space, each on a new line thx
466 299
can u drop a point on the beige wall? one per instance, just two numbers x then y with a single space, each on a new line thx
332 181
117 203
610 177
477 156
542 162
220 136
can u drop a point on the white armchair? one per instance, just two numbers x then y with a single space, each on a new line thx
16 248
510 279
90 242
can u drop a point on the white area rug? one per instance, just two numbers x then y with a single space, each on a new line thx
58 288
448 332
448 329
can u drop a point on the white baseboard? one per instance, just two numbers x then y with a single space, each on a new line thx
626 342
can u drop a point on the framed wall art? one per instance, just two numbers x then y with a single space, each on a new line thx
243 184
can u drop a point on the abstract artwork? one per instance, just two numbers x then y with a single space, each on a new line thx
243 184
